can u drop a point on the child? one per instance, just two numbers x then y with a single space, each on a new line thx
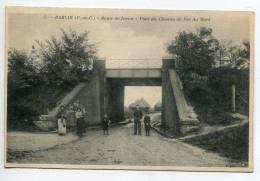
147 121
106 123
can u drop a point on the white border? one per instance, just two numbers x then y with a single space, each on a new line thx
61 174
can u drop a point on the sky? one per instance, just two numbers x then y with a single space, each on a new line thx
139 38
124 39
152 94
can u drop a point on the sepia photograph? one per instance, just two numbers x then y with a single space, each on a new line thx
129 89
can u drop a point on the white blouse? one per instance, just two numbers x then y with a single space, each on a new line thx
79 114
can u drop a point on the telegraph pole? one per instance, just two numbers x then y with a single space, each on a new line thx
233 98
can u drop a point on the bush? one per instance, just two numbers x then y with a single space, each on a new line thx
231 143
214 115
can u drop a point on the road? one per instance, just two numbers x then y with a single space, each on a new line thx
121 147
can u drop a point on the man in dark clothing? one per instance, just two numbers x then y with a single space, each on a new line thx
137 123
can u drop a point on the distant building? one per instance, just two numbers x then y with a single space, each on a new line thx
158 106
142 104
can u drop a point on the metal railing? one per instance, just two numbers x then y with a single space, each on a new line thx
133 63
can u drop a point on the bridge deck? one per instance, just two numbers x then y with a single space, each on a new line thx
134 73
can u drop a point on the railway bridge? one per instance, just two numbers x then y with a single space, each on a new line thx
104 93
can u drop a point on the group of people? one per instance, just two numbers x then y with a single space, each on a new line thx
81 128
137 122
80 125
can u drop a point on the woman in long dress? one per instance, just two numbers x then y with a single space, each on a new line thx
62 121
80 122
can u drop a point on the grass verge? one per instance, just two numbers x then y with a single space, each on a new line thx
231 143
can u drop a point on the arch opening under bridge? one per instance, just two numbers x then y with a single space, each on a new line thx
176 114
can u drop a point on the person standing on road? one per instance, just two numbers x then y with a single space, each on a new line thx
105 123
80 122
137 120
62 121
147 124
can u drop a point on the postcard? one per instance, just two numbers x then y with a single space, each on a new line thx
133 89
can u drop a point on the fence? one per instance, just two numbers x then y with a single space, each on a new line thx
133 63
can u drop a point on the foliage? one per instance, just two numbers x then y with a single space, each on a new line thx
215 115
66 61
195 57
209 67
231 143
195 52
39 79
21 73
22 78
229 55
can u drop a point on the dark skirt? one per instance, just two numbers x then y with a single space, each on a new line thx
81 127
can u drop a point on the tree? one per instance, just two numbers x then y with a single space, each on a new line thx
39 79
229 55
195 54
21 72
68 60
21 79
209 67
244 54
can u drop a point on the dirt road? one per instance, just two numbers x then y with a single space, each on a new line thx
121 147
